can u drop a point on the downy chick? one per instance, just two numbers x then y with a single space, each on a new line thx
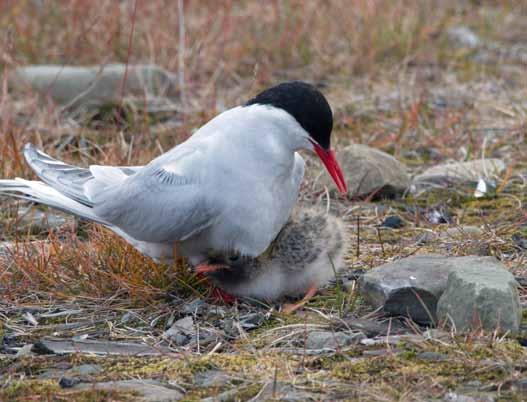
305 256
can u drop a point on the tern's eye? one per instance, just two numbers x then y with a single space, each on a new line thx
234 258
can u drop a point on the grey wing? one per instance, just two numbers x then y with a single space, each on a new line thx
164 202
67 179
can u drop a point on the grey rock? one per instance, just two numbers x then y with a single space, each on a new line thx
68 382
128 317
432 356
181 332
252 320
481 293
37 221
94 86
438 216
227 396
368 170
51 374
475 397
49 345
196 306
84 369
149 390
461 232
519 385
211 378
331 340
452 233
460 172
283 392
394 286
24 351
392 222
462 36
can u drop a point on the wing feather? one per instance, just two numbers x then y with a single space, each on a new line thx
164 202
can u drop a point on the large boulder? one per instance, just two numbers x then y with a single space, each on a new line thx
460 172
410 286
481 294
95 86
467 292
367 171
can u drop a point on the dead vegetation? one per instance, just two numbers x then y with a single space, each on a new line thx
396 82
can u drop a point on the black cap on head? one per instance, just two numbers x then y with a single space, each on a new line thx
305 103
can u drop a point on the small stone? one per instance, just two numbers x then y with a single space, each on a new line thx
38 221
85 369
432 356
460 173
452 233
368 171
393 222
331 340
128 317
520 241
461 232
150 390
462 36
520 385
67 382
53 373
196 306
252 320
437 217
481 293
211 378
50 345
477 397
24 351
181 332
280 391
403 286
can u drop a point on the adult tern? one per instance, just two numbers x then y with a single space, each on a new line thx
230 187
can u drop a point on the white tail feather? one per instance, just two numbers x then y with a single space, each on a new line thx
40 192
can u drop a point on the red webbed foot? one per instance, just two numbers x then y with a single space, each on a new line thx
217 294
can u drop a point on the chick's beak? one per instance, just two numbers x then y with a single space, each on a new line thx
330 162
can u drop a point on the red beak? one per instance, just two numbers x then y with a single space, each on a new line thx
331 164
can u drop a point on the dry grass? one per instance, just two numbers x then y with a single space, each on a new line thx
395 82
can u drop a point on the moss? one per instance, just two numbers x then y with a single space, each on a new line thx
24 390
137 367
392 368
464 362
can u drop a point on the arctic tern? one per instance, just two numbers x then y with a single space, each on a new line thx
230 187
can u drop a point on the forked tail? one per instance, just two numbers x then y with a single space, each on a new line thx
40 192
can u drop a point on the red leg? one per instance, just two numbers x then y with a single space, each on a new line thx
291 308
217 294
222 296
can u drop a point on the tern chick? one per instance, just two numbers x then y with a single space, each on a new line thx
305 256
